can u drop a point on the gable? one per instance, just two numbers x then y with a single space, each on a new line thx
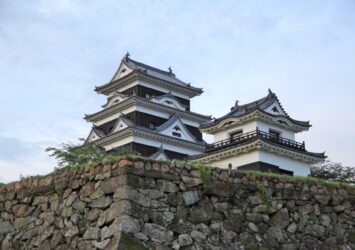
122 71
93 136
171 102
160 156
120 125
275 109
178 130
116 98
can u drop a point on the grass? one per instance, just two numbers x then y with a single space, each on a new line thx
304 179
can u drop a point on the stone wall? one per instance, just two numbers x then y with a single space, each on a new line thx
136 204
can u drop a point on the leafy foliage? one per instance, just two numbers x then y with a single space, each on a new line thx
329 170
205 171
263 194
76 155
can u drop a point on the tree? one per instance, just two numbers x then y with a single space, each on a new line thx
74 155
329 170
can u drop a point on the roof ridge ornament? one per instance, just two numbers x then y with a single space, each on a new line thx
236 105
126 57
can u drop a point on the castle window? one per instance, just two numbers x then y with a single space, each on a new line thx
176 134
152 125
236 134
274 134
147 95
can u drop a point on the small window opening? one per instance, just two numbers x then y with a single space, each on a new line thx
236 134
274 134
152 125
147 95
176 134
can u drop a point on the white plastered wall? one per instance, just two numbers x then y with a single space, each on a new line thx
114 116
299 168
225 134
237 161
263 126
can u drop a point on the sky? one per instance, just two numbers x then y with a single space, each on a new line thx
53 54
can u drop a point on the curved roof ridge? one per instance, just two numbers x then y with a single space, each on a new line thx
260 105
171 120
169 94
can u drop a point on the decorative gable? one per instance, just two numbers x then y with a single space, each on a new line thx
175 128
114 99
160 155
275 109
169 101
121 124
93 136
122 71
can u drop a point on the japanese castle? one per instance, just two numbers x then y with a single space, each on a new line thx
148 111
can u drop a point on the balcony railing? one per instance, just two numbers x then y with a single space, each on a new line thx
252 136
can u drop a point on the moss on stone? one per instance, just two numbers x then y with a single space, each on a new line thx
351 237
127 242
250 246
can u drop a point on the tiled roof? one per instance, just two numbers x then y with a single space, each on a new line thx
261 105
168 76
170 95
160 151
107 128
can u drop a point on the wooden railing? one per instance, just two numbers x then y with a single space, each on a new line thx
252 136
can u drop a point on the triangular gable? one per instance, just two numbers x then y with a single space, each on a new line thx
275 109
175 128
121 124
93 136
122 71
169 100
160 155
114 99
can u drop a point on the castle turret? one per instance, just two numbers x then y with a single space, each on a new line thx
258 136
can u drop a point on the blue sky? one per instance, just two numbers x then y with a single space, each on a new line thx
53 53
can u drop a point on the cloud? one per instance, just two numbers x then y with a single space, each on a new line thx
55 52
